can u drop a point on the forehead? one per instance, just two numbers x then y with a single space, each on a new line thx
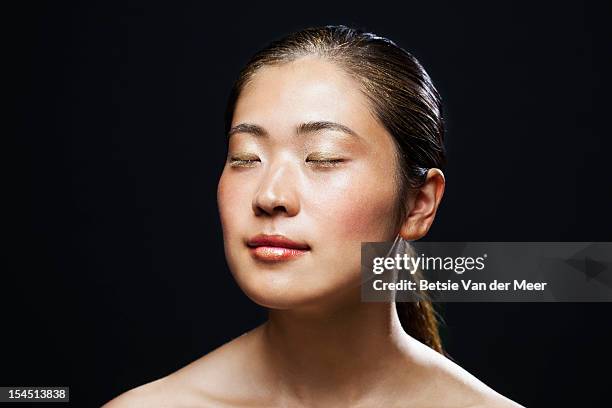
307 89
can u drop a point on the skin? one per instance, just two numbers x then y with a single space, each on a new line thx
321 345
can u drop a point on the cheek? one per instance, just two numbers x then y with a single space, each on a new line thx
358 208
366 219
231 202
222 200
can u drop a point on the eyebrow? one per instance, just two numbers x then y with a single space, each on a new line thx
306 127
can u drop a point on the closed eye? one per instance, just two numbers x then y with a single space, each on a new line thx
325 162
244 161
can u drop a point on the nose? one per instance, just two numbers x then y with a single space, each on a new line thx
277 193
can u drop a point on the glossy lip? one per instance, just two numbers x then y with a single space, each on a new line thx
272 248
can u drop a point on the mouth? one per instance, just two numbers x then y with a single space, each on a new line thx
274 248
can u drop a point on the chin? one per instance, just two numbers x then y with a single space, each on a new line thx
286 291
274 291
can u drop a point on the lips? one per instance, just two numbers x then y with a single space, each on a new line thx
271 248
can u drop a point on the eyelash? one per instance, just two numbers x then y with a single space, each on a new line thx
237 162
326 162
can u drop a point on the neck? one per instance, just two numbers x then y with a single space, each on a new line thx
339 352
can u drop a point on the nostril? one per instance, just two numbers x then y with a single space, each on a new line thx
271 200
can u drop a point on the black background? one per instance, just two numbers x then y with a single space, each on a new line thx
114 270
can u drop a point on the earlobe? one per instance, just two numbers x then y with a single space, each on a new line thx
424 205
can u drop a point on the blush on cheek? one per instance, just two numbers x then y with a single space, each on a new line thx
365 222
234 202
362 213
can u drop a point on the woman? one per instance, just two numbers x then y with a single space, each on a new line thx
335 137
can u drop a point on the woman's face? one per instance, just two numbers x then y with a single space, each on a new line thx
291 171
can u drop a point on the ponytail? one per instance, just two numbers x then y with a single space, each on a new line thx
420 321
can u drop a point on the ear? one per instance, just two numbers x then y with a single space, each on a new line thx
422 206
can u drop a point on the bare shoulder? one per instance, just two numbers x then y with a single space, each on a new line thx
494 400
163 393
452 386
202 383
153 394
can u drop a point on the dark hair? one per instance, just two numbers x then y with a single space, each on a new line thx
403 99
